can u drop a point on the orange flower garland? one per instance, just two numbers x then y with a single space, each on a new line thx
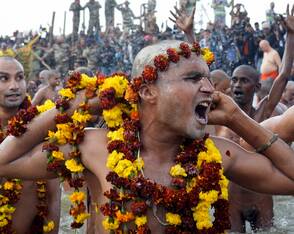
11 189
70 130
198 181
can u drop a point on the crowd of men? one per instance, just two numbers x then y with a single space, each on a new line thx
248 67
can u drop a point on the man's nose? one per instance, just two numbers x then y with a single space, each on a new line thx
206 86
13 85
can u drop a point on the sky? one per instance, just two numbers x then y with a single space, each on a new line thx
24 15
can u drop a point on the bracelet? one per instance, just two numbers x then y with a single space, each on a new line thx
265 146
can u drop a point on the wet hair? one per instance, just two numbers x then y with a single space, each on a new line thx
147 54
251 71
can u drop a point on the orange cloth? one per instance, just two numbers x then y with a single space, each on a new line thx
270 75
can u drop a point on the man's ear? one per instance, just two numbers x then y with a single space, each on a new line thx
148 93
257 87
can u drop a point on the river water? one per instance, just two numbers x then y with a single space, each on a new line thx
283 221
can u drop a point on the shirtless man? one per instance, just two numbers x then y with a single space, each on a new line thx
49 92
271 61
162 131
12 94
245 205
288 95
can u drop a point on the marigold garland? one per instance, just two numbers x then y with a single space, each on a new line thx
70 130
198 181
11 189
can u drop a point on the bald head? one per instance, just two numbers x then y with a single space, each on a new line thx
264 45
51 77
147 55
44 74
220 80
250 72
218 76
11 59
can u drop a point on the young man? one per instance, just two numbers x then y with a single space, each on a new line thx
12 94
49 92
165 121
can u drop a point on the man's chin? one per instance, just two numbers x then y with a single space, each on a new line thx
199 133
15 104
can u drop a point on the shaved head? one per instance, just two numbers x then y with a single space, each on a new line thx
11 59
218 76
264 45
251 72
44 74
220 80
147 54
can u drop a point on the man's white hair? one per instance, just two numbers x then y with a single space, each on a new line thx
147 54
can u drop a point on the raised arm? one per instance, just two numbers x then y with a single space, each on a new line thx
281 81
184 22
229 114
253 171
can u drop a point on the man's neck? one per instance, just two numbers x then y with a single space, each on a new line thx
247 108
159 143
6 114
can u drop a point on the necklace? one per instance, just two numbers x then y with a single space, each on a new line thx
187 204
198 183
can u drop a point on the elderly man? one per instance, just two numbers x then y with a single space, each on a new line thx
271 62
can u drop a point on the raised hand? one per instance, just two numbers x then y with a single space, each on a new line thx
288 22
222 110
182 20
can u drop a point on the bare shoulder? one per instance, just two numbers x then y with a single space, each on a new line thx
94 150
223 144
229 151
95 140
226 148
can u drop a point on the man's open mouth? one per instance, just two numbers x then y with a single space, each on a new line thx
238 94
201 111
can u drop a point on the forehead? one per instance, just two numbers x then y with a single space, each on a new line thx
189 66
243 73
10 66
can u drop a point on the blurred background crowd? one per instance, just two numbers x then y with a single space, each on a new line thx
114 48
